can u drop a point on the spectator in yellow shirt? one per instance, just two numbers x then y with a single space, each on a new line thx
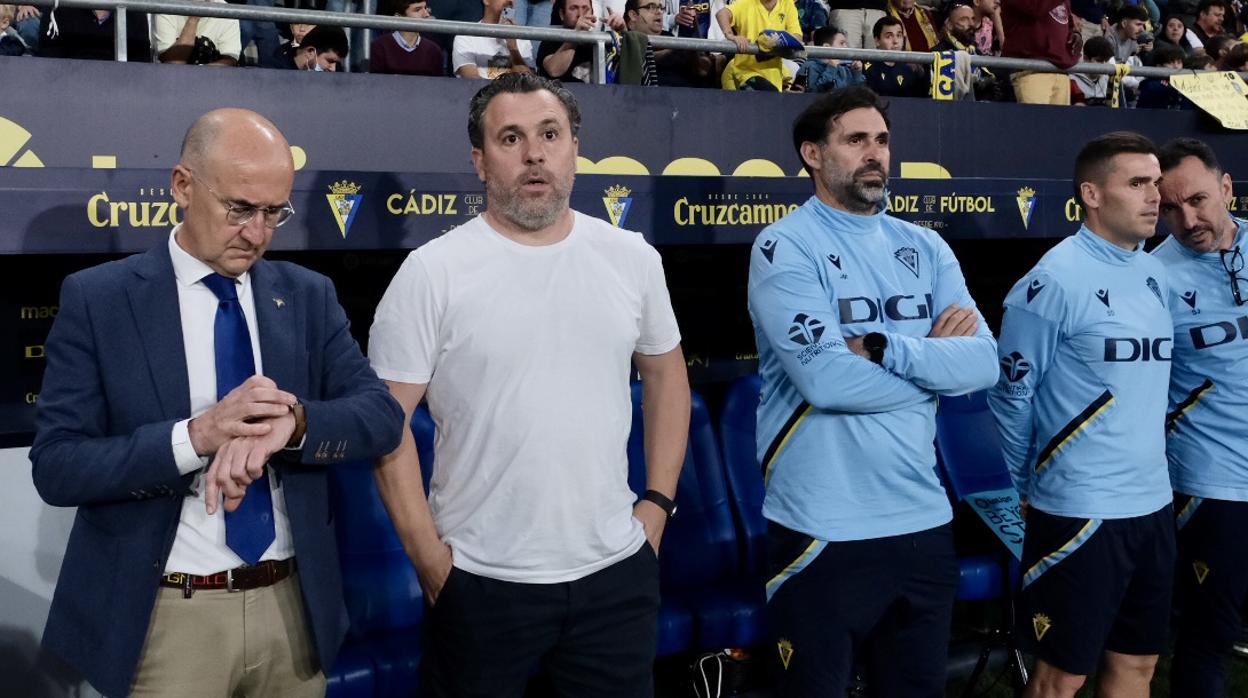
742 22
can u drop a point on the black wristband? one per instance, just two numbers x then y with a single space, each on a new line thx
875 344
661 501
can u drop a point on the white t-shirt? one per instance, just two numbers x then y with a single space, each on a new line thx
526 352
223 32
1193 40
491 56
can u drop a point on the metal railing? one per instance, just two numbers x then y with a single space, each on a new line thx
599 39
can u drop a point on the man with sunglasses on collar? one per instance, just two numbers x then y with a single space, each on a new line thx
1208 400
194 400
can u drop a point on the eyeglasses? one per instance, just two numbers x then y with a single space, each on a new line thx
241 214
652 7
1239 285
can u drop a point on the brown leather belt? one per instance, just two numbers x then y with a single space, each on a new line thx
262 574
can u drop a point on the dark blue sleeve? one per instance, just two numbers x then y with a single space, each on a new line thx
354 417
74 459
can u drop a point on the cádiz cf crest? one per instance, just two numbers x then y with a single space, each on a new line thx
1201 568
786 651
1041 624
344 200
617 201
1026 200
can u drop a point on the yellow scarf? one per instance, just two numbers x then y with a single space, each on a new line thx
1115 83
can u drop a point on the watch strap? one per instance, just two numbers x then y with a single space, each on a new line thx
875 343
661 501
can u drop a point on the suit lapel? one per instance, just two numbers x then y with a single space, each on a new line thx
154 305
277 319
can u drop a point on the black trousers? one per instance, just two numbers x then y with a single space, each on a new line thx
1211 586
594 637
886 601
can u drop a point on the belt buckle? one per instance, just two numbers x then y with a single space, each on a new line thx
229 581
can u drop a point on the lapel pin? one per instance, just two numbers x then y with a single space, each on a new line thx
280 303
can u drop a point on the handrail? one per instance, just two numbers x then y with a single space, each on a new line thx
198 8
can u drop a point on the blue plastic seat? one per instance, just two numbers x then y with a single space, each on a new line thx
384 601
968 451
737 428
700 566
352 675
967 440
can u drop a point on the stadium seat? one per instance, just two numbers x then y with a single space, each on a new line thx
699 561
383 596
966 437
351 676
969 456
737 426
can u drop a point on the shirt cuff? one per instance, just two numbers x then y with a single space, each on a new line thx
897 354
184 455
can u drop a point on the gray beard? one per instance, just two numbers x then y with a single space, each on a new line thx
532 215
858 197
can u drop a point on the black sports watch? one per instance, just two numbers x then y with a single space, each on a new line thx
661 501
875 344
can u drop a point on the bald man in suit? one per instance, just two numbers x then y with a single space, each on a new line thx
194 399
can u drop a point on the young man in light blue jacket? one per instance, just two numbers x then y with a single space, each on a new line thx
1085 355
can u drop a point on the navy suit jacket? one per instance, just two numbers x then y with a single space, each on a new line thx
115 383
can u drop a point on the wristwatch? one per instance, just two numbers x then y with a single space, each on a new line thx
661 501
301 426
875 344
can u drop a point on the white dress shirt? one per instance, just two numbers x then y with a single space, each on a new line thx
199 546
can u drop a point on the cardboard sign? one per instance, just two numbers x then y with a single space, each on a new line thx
1223 95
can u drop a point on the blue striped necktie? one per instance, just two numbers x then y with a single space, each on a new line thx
249 528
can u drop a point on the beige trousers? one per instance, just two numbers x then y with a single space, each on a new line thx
219 644
1041 88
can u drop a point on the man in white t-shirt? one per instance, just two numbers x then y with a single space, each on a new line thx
196 40
519 327
487 57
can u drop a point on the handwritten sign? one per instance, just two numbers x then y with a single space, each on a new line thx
999 509
1223 95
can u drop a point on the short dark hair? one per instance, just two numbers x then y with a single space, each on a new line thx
1132 12
633 6
326 38
1172 154
1217 45
881 23
1092 163
1236 58
1197 61
517 83
390 8
813 124
1206 4
1166 53
1098 48
558 7
821 36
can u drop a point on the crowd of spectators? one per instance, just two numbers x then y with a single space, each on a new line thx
1189 34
